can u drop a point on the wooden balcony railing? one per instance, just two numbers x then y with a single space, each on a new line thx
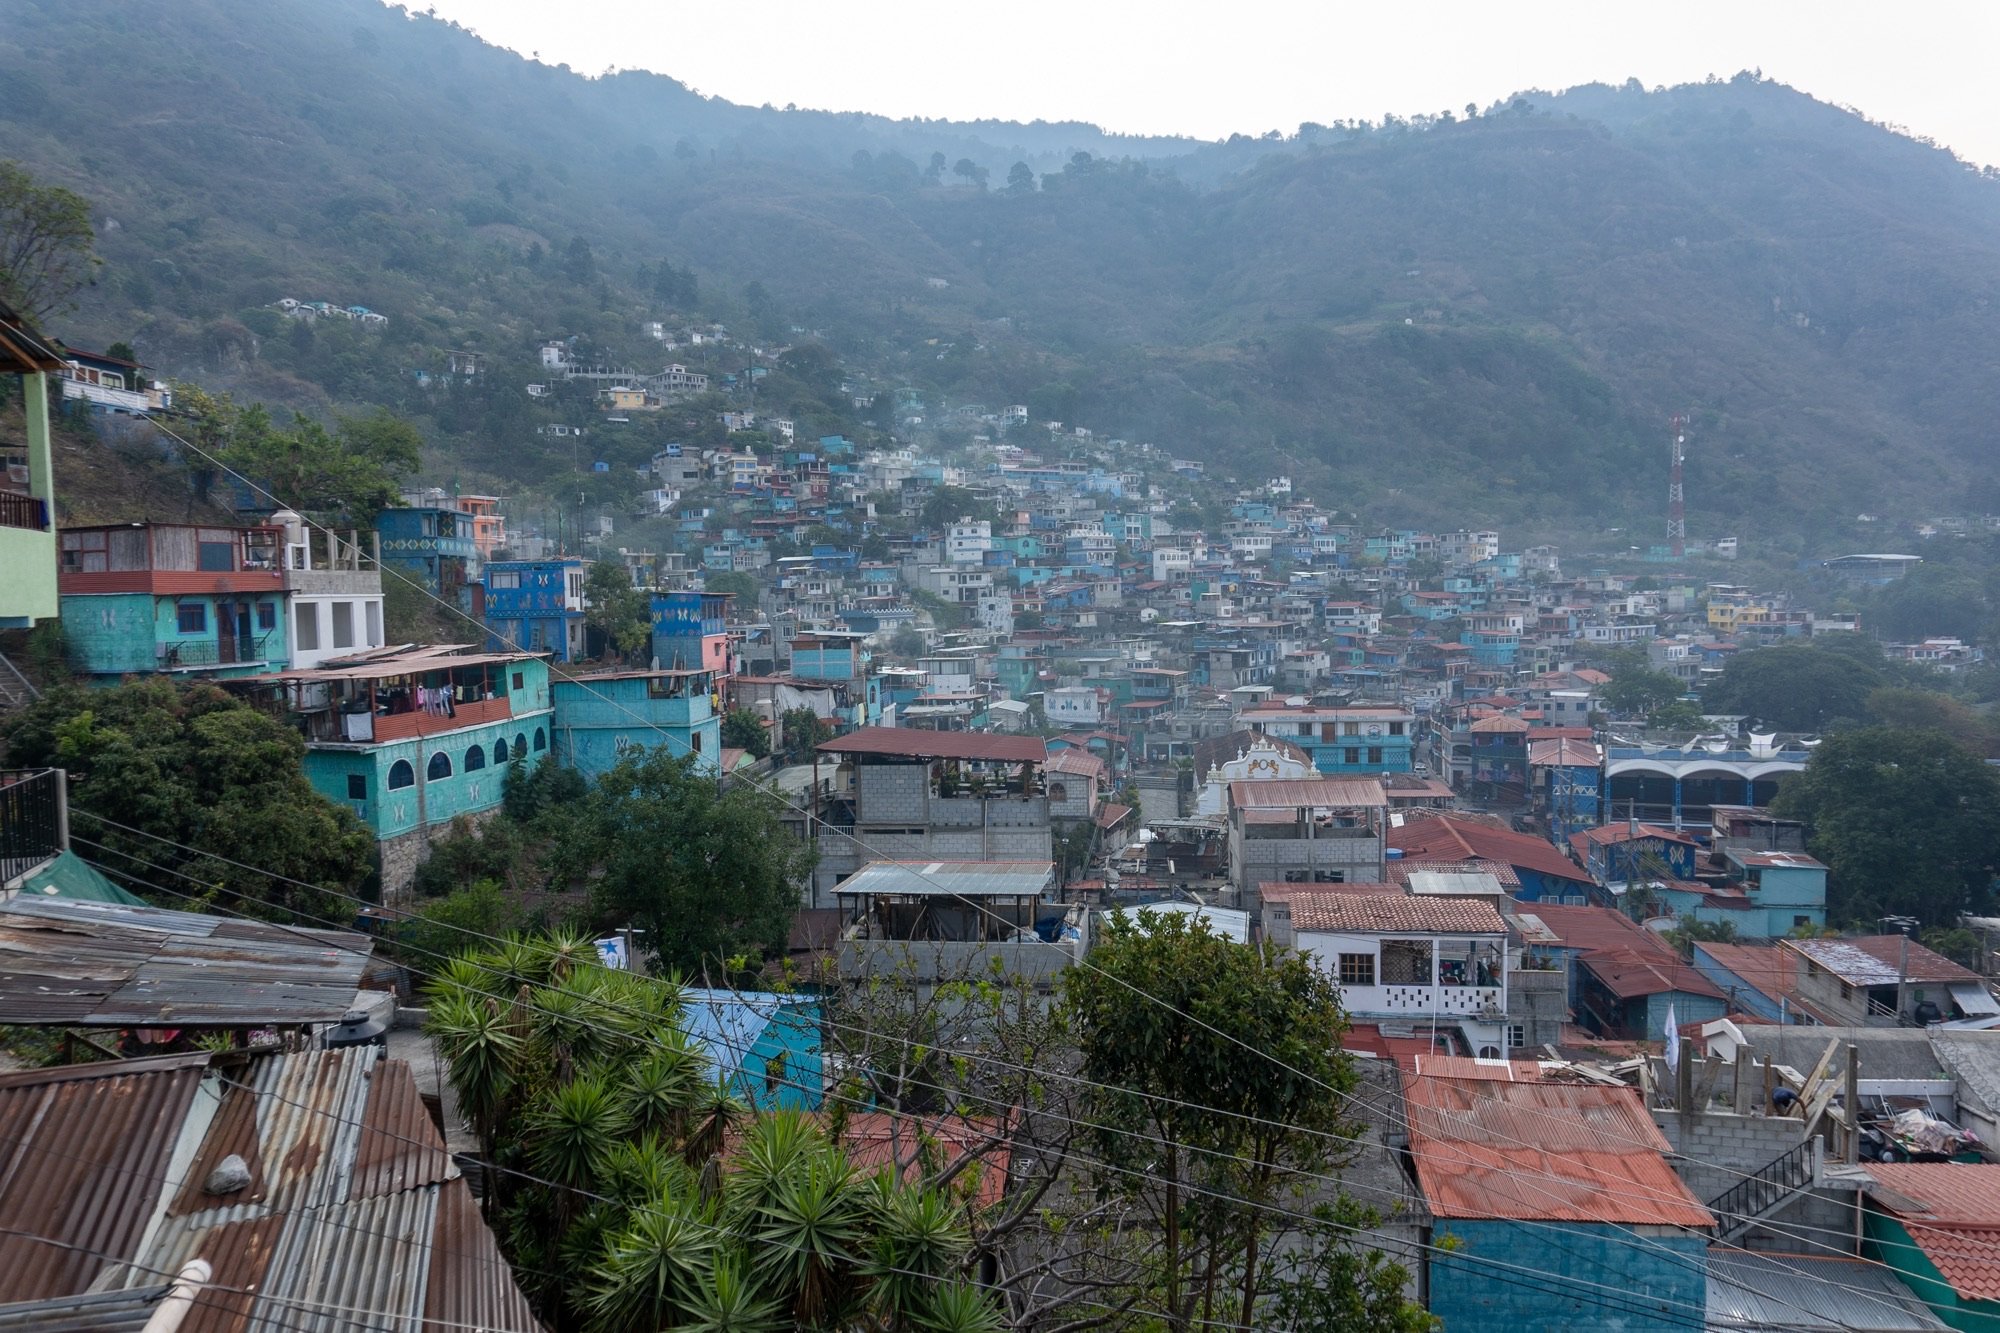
23 511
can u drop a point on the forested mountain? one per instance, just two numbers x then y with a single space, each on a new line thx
1479 317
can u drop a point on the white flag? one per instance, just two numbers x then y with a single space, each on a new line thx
1673 1041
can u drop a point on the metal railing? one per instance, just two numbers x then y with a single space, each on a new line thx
1757 1194
23 511
213 652
34 819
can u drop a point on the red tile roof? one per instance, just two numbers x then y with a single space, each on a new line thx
1952 1212
1112 815
1554 1152
1388 913
1626 957
912 743
1444 838
1081 763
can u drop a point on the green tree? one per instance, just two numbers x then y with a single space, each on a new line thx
1187 1039
623 613
738 584
1908 823
1678 715
1021 179
189 764
1639 693
970 172
711 876
744 730
45 244
348 474
803 730
1797 689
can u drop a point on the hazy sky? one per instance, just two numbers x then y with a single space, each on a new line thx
1214 69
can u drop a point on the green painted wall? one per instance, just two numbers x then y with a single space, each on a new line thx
28 556
119 634
1885 1240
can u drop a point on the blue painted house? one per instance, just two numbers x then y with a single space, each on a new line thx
536 606
766 1045
1554 1206
433 547
690 631
600 719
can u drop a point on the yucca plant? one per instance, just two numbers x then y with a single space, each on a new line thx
729 1300
809 1235
652 1271
663 1089
572 1131
480 1046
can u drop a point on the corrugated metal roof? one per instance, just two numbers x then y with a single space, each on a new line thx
1877 960
93 1312
1393 913
913 743
91 964
1461 883
1770 1293
974 879
1543 1152
1229 922
1303 793
353 1201
81 1150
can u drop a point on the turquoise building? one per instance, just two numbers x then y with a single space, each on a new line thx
144 598
766 1045
412 739
434 547
602 718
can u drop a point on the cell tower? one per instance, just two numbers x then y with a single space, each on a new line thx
1677 523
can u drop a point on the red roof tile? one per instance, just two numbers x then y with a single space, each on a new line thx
1444 838
1952 1212
1554 1152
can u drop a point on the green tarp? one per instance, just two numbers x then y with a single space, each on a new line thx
70 876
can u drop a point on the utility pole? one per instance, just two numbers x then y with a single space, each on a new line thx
1677 528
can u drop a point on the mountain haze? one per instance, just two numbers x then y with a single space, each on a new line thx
1482 320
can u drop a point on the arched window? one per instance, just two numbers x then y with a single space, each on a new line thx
499 752
520 746
475 759
541 741
440 766
402 775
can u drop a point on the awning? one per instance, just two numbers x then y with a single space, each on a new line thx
1974 999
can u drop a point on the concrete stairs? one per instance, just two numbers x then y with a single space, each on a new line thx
1770 1189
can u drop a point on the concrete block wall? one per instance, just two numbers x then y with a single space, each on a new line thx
892 793
1718 1149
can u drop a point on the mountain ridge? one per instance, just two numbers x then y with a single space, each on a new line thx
1488 318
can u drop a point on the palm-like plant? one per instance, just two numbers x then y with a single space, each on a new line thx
480 1047
573 1130
714 1114
663 1089
652 1272
809 1235
960 1307
730 1301
919 1242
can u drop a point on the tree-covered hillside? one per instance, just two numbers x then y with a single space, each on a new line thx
1483 318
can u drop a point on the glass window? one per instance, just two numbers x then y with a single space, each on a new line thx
402 775
517 682
1395 728
1351 755
499 579
1357 969
440 766
357 786
267 615
520 746
1350 728
541 741
192 617
216 557
1517 1034
475 758
499 752
1374 754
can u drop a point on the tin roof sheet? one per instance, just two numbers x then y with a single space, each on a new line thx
1485 1148
914 743
1877 960
1770 1293
353 1202
91 964
973 879
1307 793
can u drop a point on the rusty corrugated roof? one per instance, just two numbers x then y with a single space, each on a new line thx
353 1202
1554 1152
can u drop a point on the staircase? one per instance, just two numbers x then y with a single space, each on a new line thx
1767 1190
15 689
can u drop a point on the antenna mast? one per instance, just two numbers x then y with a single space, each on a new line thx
1677 526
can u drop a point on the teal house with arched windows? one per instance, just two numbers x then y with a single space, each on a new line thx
412 738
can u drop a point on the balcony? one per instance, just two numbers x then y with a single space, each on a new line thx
34 823
208 654
23 511
379 728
